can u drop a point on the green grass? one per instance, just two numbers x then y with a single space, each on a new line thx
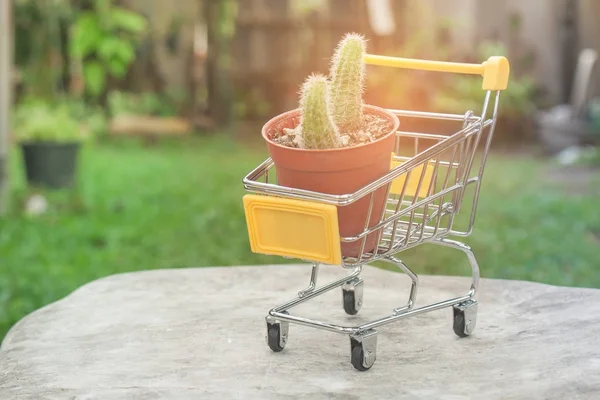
178 204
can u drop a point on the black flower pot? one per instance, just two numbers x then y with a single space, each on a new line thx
50 164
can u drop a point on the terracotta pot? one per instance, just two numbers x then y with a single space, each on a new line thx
337 171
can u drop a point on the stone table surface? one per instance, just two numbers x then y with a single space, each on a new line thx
199 334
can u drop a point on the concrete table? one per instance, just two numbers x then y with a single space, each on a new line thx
199 334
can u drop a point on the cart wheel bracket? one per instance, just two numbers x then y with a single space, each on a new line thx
277 333
352 296
465 317
363 348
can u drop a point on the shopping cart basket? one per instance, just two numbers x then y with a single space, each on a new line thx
424 192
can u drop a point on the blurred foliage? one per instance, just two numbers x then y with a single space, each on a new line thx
123 103
62 120
57 40
306 7
250 104
146 103
589 156
103 39
36 120
39 43
93 119
227 12
593 113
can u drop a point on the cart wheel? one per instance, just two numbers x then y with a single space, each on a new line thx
277 333
465 318
357 357
352 296
363 350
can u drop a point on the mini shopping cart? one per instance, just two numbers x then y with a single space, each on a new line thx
424 190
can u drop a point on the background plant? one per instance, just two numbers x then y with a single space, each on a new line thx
36 120
40 45
62 44
145 103
103 39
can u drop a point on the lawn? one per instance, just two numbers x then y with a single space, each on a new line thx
178 204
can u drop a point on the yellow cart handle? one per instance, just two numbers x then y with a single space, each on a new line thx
495 70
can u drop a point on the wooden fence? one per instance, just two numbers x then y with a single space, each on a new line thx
275 49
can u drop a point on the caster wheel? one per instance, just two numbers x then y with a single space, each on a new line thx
357 357
352 296
350 303
362 350
277 333
465 318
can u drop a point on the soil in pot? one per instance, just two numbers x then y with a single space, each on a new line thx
50 164
338 171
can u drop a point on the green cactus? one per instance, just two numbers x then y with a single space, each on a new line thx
317 127
347 76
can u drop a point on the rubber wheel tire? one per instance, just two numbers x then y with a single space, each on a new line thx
356 358
349 303
273 338
459 324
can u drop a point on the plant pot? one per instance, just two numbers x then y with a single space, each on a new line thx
337 171
50 164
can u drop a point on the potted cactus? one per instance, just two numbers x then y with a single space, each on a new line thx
334 143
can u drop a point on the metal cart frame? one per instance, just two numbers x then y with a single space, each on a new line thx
424 193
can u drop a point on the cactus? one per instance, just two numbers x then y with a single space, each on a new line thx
347 82
317 128
334 105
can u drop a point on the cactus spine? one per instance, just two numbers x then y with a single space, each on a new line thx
347 82
317 127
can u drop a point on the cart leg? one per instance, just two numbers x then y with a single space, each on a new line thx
277 333
415 283
465 313
363 348
470 256
352 295
313 281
